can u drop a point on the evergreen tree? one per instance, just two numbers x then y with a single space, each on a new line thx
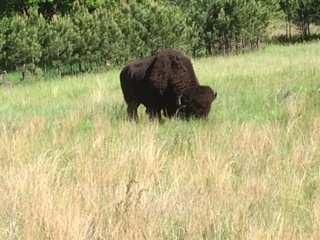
302 13
316 13
23 46
86 41
59 34
226 26
288 8
112 48
4 22
306 12
56 40
163 30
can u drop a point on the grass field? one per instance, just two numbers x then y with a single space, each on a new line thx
73 167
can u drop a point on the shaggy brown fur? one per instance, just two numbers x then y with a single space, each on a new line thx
165 81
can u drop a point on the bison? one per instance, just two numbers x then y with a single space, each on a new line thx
165 82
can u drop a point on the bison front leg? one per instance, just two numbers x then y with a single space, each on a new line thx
132 110
154 114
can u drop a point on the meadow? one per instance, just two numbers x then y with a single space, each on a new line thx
73 167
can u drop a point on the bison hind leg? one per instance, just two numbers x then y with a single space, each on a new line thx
132 110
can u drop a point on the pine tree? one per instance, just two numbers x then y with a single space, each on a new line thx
316 13
23 46
56 40
4 22
86 41
112 49
302 13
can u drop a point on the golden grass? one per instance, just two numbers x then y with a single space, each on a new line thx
72 166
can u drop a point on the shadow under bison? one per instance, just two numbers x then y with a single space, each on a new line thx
165 81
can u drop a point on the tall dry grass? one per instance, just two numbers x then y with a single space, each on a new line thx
73 167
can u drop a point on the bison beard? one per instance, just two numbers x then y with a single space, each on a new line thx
165 81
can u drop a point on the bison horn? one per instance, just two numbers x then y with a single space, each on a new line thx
179 100
215 94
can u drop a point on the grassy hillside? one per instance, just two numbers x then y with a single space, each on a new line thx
73 167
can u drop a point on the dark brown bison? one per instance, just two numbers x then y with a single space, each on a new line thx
165 81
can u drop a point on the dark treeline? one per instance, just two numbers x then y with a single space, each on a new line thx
41 35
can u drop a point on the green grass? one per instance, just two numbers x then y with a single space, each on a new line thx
73 167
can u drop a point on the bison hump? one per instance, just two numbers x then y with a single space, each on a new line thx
160 74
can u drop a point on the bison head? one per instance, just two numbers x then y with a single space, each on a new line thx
195 102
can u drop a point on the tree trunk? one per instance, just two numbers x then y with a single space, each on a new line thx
24 73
